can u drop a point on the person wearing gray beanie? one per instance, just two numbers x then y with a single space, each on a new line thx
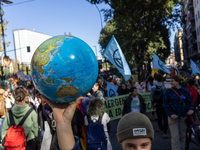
135 130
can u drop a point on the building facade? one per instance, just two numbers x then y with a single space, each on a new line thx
26 42
189 37
171 59
197 21
178 49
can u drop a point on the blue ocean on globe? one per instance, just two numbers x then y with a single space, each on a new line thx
64 68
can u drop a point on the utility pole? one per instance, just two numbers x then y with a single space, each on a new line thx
2 29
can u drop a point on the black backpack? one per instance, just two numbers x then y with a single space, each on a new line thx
158 95
77 123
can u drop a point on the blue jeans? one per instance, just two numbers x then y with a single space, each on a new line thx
1 125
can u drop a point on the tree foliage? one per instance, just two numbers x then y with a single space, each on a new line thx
139 26
1 39
160 44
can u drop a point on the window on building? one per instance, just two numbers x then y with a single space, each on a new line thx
197 31
198 14
195 4
28 49
196 17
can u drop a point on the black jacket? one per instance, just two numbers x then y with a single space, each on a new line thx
120 91
127 105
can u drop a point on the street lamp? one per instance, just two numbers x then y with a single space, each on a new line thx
3 37
95 49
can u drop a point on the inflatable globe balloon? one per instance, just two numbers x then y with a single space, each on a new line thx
64 68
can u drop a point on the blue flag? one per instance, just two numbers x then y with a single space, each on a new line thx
111 90
28 77
195 68
158 64
114 54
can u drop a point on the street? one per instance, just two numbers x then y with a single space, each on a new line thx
158 143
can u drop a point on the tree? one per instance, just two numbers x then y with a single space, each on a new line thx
160 45
139 22
15 65
1 39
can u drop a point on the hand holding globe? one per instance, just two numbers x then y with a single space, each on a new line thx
64 68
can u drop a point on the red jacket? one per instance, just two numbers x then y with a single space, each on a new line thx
193 93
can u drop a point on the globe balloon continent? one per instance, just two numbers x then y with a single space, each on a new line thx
64 68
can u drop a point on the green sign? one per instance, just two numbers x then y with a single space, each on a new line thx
114 105
146 97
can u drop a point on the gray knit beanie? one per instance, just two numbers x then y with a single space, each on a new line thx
134 125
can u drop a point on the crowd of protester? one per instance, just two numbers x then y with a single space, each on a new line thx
44 127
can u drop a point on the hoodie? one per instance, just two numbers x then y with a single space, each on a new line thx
30 125
193 93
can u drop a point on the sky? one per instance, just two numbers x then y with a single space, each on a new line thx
56 17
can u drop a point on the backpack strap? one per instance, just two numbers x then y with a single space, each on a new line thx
24 118
178 95
100 118
12 121
89 119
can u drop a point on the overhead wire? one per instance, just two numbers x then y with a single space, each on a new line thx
18 3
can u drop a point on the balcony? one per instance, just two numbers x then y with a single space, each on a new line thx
183 19
182 10
194 53
195 45
193 30
182 2
191 18
190 6
184 28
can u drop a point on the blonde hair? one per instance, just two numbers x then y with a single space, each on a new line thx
3 109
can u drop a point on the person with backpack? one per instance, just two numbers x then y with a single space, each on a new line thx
135 133
47 127
134 102
97 123
20 123
178 105
157 95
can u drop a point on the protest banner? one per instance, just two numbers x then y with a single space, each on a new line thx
114 105
146 97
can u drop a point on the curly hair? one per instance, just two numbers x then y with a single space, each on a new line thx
20 93
96 108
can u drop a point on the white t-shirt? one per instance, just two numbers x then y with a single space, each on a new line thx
135 104
149 86
104 121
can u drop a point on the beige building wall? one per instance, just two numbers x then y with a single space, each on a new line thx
178 47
